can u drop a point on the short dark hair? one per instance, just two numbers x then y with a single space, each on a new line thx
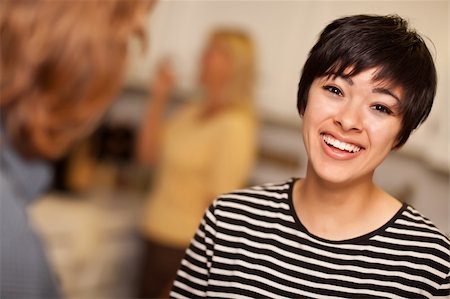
361 42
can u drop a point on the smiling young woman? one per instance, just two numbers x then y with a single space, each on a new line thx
367 83
349 126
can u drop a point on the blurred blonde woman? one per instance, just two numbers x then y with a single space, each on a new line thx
205 149
62 62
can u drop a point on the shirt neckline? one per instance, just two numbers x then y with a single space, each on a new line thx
358 239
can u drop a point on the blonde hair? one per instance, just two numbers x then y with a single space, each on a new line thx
240 47
61 64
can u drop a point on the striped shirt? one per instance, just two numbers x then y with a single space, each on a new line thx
251 244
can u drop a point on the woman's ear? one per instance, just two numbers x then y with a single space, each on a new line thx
396 147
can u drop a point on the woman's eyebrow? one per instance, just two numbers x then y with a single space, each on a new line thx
346 79
380 90
387 92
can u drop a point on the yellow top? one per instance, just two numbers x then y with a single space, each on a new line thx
201 158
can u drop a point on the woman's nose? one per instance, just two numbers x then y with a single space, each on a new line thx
349 117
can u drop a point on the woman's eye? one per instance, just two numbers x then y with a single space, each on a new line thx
382 109
333 89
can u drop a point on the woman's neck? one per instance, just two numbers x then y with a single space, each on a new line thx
214 101
342 211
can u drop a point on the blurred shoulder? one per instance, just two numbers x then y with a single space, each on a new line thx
237 119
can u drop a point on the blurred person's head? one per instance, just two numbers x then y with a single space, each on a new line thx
351 45
228 62
62 63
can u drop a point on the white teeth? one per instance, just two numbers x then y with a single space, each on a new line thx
340 144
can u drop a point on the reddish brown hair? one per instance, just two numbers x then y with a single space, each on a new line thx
61 64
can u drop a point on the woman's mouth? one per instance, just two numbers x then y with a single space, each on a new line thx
343 146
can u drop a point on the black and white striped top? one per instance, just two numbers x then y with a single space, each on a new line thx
250 244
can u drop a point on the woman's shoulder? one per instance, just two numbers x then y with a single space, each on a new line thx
236 115
416 219
267 196
189 107
415 227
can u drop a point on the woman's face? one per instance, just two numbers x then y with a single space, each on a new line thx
216 66
350 125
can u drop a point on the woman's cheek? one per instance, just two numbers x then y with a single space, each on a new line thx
382 129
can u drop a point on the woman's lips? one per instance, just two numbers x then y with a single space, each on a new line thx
343 146
338 149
